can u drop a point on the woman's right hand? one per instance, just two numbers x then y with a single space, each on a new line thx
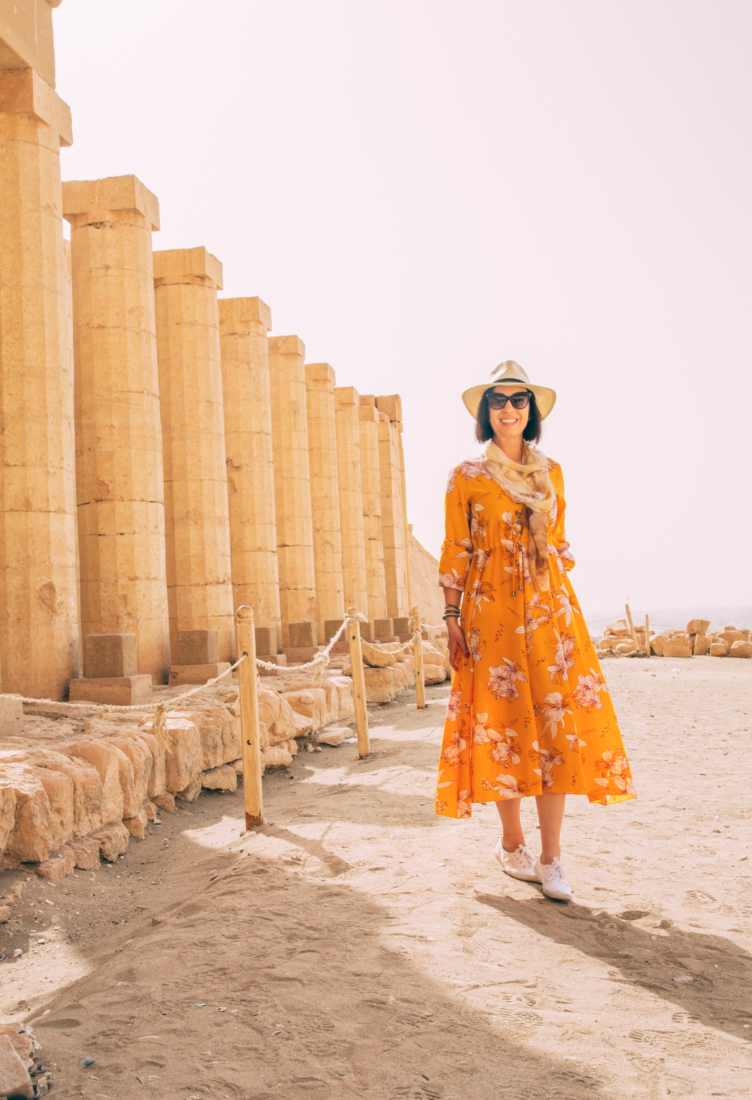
457 643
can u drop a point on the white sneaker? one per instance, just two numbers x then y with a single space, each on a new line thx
554 881
519 864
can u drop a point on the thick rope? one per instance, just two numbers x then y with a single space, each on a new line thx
104 708
321 659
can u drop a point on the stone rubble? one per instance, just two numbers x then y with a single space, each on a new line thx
694 641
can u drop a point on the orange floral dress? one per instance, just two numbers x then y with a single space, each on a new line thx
529 710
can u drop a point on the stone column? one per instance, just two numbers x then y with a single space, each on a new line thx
322 459
370 481
392 406
119 476
38 615
292 483
392 517
243 327
354 577
197 524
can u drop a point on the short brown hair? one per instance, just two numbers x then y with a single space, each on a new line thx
531 433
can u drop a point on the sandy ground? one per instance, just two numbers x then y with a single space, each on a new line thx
358 946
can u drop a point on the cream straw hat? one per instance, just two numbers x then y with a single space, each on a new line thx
506 372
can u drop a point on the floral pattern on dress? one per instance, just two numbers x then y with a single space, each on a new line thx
529 711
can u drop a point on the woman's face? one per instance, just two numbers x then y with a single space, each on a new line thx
508 423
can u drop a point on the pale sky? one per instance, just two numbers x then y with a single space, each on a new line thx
421 189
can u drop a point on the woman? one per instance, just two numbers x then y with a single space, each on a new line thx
529 712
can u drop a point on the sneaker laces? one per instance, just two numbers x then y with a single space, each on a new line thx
555 870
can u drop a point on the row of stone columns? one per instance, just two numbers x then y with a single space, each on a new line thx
209 466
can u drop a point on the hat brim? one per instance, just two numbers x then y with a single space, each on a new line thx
545 398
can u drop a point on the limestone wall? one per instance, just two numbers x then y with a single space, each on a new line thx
427 595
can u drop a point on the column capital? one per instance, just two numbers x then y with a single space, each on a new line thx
320 372
187 265
286 345
391 405
86 201
368 413
346 395
25 92
242 316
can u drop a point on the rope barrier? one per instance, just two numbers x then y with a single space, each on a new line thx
104 708
321 659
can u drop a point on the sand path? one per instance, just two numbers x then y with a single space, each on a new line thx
358 946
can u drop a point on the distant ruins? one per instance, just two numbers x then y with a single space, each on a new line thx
164 459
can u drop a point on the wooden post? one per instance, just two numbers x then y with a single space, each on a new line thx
359 686
245 643
631 627
420 679
647 635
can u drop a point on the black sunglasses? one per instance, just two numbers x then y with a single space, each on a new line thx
499 400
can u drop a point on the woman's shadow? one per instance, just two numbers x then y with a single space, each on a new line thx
707 975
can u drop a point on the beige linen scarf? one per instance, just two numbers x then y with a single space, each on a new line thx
528 484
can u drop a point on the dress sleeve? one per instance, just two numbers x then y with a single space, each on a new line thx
457 548
559 544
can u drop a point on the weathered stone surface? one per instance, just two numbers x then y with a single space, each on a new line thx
303 635
402 624
5 912
85 853
136 751
219 731
332 735
11 717
698 626
57 866
701 646
113 840
196 674
740 649
223 778
730 636
276 716
433 673
119 691
237 765
383 684
719 649
191 792
277 756
110 655
311 703
344 686
105 759
331 626
157 778
136 825
165 802
266 636
376 657
676 648
383 628
59 789
87 787
30 840
14 1077
198 647
23 1041
183 751
150 810
7 814
658 644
